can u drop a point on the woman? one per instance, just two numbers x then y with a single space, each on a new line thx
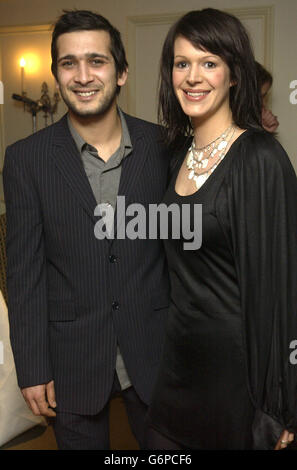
227 380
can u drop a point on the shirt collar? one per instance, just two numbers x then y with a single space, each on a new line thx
80 142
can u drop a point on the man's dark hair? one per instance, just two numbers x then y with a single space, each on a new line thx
84 20
221 34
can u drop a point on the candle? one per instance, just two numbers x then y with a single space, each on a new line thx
22 64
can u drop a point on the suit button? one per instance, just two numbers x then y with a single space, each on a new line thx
115 305
113 258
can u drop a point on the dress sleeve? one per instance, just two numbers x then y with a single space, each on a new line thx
262 205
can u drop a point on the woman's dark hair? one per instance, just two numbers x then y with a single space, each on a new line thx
221 34
84 20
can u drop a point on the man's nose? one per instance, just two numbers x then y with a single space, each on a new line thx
83 75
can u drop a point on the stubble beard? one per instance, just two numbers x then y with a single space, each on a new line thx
103 106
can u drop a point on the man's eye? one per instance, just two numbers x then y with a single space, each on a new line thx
97 62
67 63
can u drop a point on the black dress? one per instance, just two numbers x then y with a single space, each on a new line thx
227 380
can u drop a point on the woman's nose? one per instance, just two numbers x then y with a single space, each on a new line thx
194 75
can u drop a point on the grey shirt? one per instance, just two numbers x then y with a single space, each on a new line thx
104 178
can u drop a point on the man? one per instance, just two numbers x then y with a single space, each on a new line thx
87 315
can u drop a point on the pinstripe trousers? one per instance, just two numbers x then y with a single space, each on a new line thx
91 432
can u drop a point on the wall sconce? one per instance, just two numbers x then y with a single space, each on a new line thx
44 103
22 65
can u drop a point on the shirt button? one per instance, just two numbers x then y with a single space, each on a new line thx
113 258
115 305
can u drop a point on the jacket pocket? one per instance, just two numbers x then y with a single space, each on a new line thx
61 311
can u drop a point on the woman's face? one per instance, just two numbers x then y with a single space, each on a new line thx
201 81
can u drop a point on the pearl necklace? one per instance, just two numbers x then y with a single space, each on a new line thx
196 160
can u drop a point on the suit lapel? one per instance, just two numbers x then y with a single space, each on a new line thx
132 167
69 163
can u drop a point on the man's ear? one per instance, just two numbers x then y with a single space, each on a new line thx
122 78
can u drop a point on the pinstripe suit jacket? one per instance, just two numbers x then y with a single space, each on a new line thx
69 302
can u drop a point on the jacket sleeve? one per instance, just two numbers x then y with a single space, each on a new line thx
26 271
262 203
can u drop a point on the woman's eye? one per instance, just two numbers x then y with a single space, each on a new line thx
181 65
210 65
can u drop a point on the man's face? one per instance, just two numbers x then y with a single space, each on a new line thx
86 72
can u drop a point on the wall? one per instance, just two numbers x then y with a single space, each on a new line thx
34 46
38 12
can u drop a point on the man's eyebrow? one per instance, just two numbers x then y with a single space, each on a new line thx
90 55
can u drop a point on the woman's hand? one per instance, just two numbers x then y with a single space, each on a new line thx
285 439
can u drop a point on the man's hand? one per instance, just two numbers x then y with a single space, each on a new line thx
40 399
285 439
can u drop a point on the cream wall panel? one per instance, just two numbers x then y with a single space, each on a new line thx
14 45
282 42
145 38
